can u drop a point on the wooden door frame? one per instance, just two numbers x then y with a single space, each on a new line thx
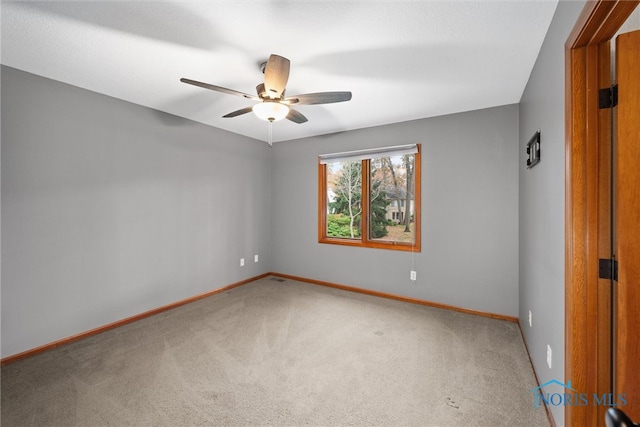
587 204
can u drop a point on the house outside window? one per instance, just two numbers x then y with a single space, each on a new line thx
371 198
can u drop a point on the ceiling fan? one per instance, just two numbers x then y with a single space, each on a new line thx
273 104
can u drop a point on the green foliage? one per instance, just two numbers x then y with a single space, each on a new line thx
378 220
378 226
341 204
338 226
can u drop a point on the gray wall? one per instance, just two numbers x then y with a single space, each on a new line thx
110 209
469 252
541 200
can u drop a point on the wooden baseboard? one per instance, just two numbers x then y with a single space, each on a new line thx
552 421
397 297
43 348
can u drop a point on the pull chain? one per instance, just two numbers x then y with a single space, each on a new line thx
270 133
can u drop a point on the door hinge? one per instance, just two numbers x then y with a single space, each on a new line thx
608 97
608 269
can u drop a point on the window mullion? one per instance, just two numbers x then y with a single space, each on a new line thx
323 203
364 232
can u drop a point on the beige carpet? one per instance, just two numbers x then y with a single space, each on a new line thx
286 354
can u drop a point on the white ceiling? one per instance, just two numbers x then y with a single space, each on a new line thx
402 60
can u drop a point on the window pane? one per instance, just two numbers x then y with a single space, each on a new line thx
391 199
344 199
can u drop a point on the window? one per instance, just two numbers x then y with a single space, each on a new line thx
370 198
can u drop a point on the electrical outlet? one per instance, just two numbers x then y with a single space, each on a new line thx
549 355
241 262
255 258
413 275
530 324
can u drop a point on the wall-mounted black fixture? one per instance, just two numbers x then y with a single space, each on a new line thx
533 150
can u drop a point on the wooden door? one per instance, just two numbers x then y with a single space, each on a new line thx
588 222
627 224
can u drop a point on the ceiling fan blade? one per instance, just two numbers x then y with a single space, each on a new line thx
296 116
276 74
218 88
238 112
318 98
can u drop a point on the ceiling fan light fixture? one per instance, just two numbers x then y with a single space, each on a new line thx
271 111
